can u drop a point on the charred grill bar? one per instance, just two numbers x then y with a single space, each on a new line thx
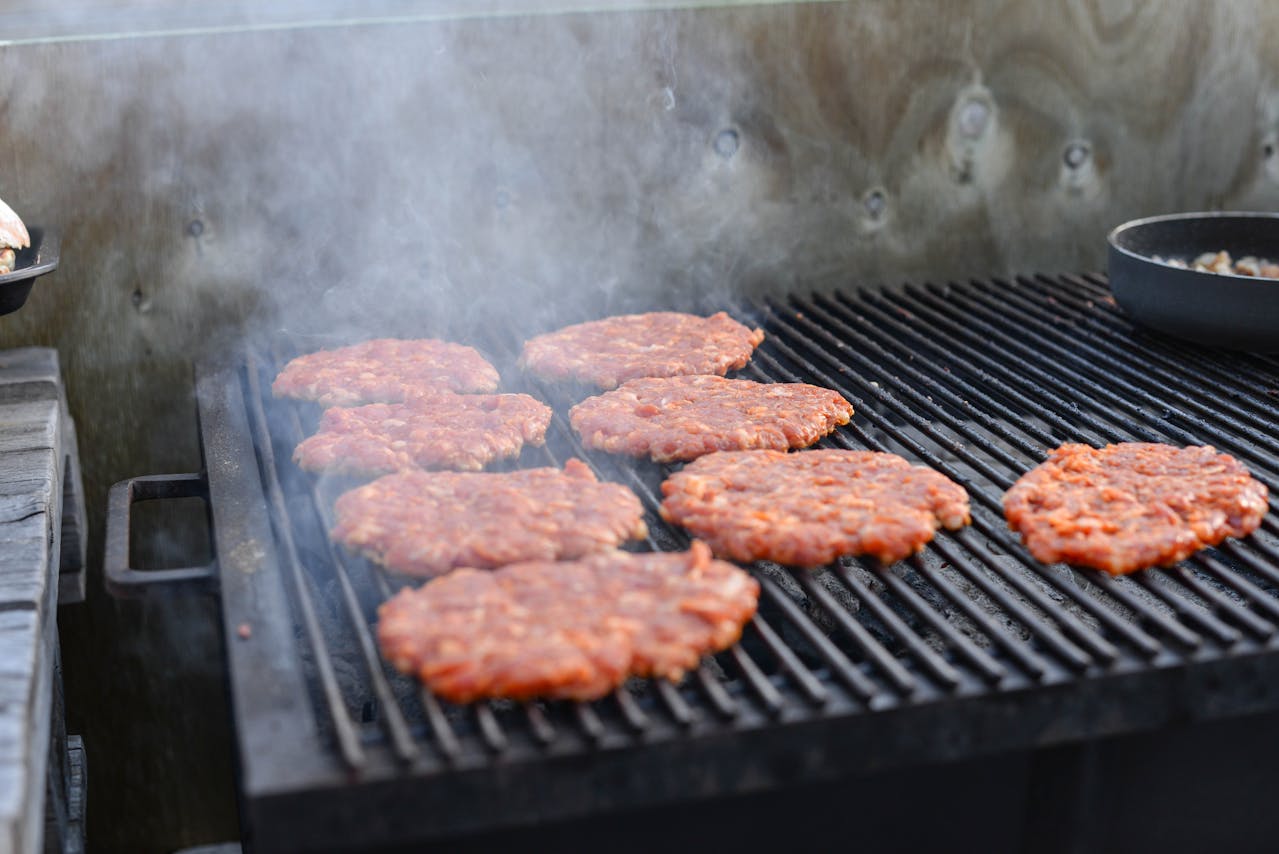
968 648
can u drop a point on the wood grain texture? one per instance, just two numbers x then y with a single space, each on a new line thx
31 456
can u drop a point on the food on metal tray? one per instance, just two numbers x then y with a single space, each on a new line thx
680 418
464 432
426 523
573 630
811 507
1221 262
385 370
13 236
1133 505
605 353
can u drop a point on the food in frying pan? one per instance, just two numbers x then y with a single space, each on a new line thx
464 432
385 370
606 353
573 630
681 418
809 508
13 236
1221 262
1132 505
426 523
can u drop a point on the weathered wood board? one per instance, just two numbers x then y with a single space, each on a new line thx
32 419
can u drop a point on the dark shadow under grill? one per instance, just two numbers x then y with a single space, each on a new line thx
968 648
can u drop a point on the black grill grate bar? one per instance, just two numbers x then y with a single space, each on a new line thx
990 669
854 328
589 721
1177 383
1099 646
724 704
631 711
1175 404
891 368
541 728
678 706
1221 605
839 664
1034 384
1236 581
1117 589
1257 566
932 662
344 728
887 663
768 694
807 681
1260 386
490 728
1186 608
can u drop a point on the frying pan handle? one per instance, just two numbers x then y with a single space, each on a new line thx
122 580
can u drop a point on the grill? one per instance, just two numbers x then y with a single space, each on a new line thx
968 648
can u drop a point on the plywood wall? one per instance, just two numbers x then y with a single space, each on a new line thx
380 178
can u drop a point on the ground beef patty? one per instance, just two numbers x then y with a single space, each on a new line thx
427 523
445 431
1129 506
809 508
680 418
607 352
573 630
386 370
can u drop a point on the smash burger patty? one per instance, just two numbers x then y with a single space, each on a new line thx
680 418
1133 505
426 523
573 630
385 370
605 353
811 507
444 431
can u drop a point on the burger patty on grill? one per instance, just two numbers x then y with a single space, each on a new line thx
385 370
1129 506
444 431
809 508
426 523
680 418
607 352
573 630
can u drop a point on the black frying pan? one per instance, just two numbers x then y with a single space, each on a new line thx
1239 312
37 259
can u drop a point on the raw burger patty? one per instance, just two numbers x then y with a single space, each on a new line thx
809 508
427 523
572 630
607 352
445 431
1129 506
385 370
681 418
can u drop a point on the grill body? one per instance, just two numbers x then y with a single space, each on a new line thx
968 649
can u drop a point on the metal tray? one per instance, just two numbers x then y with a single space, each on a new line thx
39 258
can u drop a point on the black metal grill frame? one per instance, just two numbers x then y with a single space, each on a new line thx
968 648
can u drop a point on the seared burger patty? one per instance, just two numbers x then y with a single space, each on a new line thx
445 431
426 523
680 418
573 630
1133 505
809 508
385 370
608 352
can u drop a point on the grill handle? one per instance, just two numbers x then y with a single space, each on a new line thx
122 580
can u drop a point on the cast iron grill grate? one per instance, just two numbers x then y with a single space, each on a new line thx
976 380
